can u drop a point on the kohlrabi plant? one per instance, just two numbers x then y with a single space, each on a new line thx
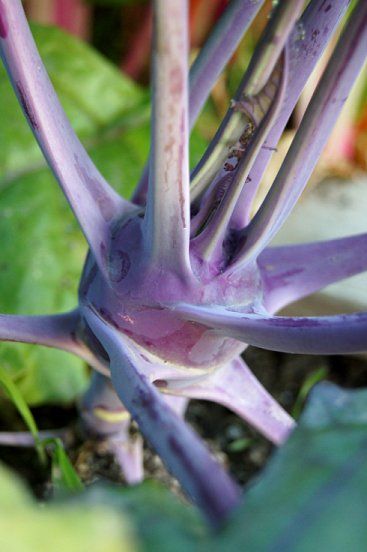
180 279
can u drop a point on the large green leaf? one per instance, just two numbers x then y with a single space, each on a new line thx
313 495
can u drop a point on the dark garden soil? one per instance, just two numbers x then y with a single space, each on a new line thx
234 444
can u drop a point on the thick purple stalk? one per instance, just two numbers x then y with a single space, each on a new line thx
167 220
182 451
295 271
234 386
342 70
93 201
208 65
306 45
328 335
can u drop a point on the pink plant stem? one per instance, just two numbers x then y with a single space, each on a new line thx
41 11
74 16
139 51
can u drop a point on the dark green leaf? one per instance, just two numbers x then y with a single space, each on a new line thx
161 521
312 496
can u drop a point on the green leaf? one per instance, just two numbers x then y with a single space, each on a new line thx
26 526
312 496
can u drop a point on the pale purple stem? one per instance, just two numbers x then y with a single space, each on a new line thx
26 439
208 65
182 451
177 404
295 271
340 334
128 453
306 45
341 72
101 410
105 417
167 220
93 201
236 387
218 50
58 331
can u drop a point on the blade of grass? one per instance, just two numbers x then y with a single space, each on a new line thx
308 384
64 476
16 397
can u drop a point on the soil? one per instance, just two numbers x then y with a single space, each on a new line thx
239 448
